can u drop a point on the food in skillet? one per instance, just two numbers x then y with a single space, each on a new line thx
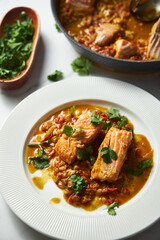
92 154
109 28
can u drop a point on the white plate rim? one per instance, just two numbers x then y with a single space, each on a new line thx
77 89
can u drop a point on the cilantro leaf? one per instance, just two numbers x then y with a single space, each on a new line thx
106 125
78 183
113 113
55 76
95 118
111 210
81 65
40 161
142 165
82 154
58 29
68 130
122 122
108 154
72 109
92 159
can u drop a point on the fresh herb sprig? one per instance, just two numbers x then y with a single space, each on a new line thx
86 154
40 161
16 47
78 183
95 118
142 165
111 208
55 76
108 154
81 65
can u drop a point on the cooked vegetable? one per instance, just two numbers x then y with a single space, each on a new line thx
16 47
81 65
55 76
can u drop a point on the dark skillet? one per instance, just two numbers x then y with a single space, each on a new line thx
114 63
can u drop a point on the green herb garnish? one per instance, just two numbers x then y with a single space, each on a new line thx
40 161
68 130
85 154
81 65
72 109
113 113
108 154
111 210
16 47
95 118
142 165
122 122
55 76
58 29
106 125
78 183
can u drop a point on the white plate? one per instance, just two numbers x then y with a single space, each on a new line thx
62 220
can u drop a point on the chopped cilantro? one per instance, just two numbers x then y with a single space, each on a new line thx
16 47
55 76
113 113
111 210
68 130
108 154
40 161
82 154
78 183
72 109
58 29
92 159
106 125
122 122
81 65
139 172
95 118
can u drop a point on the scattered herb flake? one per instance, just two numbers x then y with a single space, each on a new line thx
58 29
92 159
73 109
55 76
81 65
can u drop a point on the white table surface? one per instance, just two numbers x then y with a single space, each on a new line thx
55 52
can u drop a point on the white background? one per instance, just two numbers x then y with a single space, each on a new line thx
55 52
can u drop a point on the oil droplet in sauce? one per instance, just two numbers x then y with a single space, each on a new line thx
42 180
54 200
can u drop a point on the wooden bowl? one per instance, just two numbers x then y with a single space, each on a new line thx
10 17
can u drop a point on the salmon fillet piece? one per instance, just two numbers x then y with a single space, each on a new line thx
81 6
67 149
154 42
107 33
119 141
125 49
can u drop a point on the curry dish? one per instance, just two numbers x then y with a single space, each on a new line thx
92 154
107 27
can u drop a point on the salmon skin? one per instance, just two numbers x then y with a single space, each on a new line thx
85 134
119 141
